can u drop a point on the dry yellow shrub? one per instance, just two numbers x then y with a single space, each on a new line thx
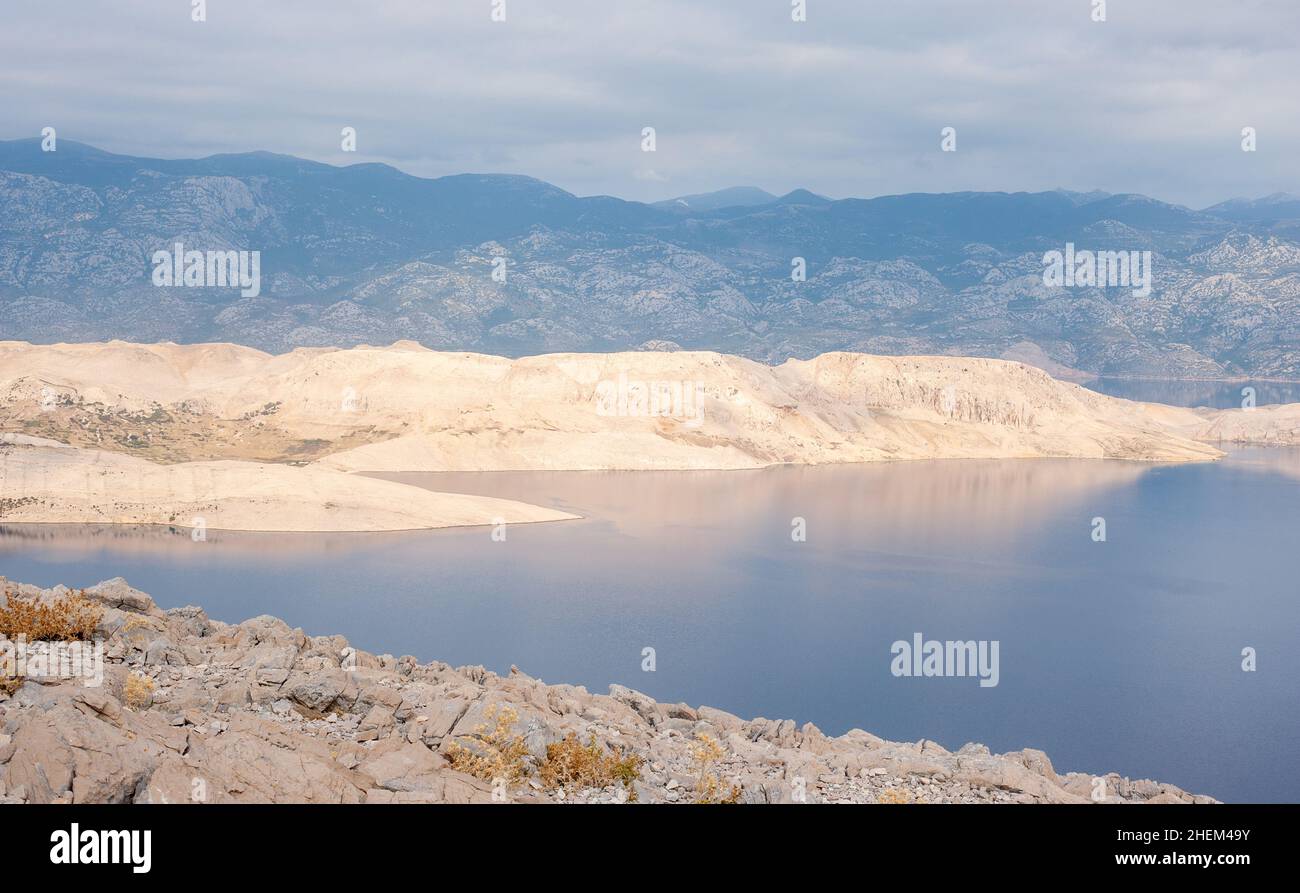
705 753
138 691
72 617
572 764
69 618
493 753
890 795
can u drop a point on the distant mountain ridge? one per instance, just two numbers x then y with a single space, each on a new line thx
368 254
735 196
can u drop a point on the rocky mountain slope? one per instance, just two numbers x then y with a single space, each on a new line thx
367 254
194 710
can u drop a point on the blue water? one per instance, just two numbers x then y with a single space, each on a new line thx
1123 655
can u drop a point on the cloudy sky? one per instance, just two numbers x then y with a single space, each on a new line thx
850 102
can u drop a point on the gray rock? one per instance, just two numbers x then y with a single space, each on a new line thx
259 712
116 593
644 705
321 691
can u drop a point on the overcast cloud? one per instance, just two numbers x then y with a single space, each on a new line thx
849 103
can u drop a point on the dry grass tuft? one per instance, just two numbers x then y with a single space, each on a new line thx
138 691
570 764
892 796
705 754
492 753
70 618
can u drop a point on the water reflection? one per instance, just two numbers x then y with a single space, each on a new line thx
1118 655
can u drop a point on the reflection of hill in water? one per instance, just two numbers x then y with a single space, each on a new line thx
972 497
1111 653
925 495
175 542
971 500
1270 460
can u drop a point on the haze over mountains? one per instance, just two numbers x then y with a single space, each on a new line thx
368 254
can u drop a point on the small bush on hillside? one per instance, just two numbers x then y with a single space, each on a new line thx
892 796
492 753
705 753
572 764
69 618
138 691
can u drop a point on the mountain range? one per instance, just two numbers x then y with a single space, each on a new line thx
366 254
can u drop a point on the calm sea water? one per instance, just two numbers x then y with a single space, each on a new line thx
1123 655
1212 394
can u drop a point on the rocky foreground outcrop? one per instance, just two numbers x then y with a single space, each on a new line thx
192 709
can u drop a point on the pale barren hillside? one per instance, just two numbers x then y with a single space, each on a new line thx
544 412
405 408
49 483
129 375
1271 425
163 433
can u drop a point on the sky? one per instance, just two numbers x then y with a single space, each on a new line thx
850 102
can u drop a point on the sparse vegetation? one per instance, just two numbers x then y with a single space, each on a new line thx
11 503
178 432
138 622
706 752
571 764
266 409
494 751
138 691
893 796
313 446
69 618
156 414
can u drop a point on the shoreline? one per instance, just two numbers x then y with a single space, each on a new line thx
532 513
1230 380
260 712
48 482
231 439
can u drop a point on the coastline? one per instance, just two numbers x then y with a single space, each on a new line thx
46 482
242 440
260 712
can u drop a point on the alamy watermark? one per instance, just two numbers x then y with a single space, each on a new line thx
21 659
90 847
922 657
676 399
210 269
1098 269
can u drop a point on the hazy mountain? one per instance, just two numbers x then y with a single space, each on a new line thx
368 254
1278 206
802 197
736 196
